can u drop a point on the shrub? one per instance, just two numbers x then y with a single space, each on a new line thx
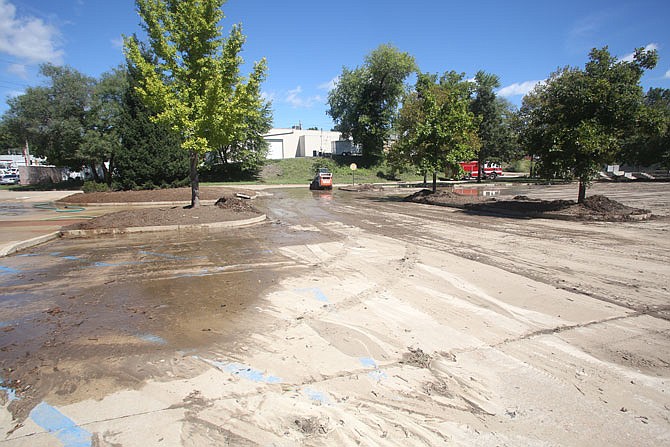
519 166
94 187
319 163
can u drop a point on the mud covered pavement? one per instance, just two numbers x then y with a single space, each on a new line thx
350 318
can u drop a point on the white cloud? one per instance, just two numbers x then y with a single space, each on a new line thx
330 84
667 75
629 57
294 98
14 93
117 42
19 70
518 88
268 96
28 38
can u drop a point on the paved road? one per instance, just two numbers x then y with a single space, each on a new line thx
348 318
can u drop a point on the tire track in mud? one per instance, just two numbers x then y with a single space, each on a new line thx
395 221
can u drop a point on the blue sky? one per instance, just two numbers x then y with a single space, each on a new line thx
307 43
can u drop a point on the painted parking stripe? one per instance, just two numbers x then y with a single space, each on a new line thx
7 270
244 371
317 293
64 428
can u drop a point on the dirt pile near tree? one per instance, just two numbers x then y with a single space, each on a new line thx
597 207
151 195
443 197
228 208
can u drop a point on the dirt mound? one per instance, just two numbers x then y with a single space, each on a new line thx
234 204
151 217
427 196
602 204
595 207
443 197
525 205
152 195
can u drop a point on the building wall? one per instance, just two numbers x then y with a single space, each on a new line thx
293 143
33 175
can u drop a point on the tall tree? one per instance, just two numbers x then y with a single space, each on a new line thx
436 129
579 119
150 153
651 143
365 100
102 141
194 68
495 128
242 116
52 118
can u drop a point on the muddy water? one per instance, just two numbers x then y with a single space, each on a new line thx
82 318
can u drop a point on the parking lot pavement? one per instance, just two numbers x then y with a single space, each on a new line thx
30 217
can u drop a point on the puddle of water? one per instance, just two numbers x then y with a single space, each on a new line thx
13 209
479 192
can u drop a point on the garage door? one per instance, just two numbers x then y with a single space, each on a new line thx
276 151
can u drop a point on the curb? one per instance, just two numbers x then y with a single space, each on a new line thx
28 243
154 229
135 204
18 246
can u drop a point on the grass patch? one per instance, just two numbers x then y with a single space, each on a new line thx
302 170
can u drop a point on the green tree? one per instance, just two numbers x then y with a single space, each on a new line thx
495 115
194 69
102 141
242 116
52 118
364 102
150 153
580 119
651 143
435 127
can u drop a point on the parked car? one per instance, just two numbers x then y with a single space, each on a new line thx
9 179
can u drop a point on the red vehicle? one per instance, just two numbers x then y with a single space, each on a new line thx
322 180
490 170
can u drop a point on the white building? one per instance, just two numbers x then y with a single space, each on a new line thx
293 143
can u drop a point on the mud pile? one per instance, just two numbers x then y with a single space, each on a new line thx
597 207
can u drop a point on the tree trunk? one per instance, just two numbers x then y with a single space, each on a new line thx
582 192
425 179
479 168
195 182
94 172
110 171
434 182
106 175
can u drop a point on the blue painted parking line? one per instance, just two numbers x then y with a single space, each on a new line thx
318 294
11 394
317 396
4 270
62 427
368 361
243 371
153 339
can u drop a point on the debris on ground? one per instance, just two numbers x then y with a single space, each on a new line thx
439 388
311 426
234 204
416 357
